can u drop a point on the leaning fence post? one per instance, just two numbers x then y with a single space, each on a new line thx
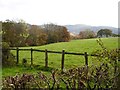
17 55
46 58
86 58
31 56
62 62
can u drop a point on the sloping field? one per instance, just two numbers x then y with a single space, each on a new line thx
54 60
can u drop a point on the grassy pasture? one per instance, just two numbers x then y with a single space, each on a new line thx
54 60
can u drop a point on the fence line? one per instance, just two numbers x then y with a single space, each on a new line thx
85 54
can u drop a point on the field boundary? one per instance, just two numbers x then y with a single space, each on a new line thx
63 53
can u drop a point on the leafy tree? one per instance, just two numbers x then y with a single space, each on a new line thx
8 32
21 32
64 34
104 32
36 36
50 31
56 33
14 32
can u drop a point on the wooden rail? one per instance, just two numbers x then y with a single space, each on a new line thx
46 55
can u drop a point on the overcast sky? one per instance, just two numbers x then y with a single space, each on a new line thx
61 12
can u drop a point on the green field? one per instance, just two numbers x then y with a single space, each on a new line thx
54 60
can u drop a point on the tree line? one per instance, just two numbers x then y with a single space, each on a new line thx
19 33
87 34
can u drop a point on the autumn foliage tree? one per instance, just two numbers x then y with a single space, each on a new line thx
36 36
56 33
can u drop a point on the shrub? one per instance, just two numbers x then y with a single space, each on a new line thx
76 78
7 56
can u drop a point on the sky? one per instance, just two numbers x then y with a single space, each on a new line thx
61 12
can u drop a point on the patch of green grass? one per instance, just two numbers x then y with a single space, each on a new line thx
54 60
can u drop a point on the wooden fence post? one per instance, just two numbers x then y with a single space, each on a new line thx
62 62
46 58
86 64
17 55
31 56
86 58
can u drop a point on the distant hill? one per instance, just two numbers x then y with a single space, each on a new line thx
75 29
